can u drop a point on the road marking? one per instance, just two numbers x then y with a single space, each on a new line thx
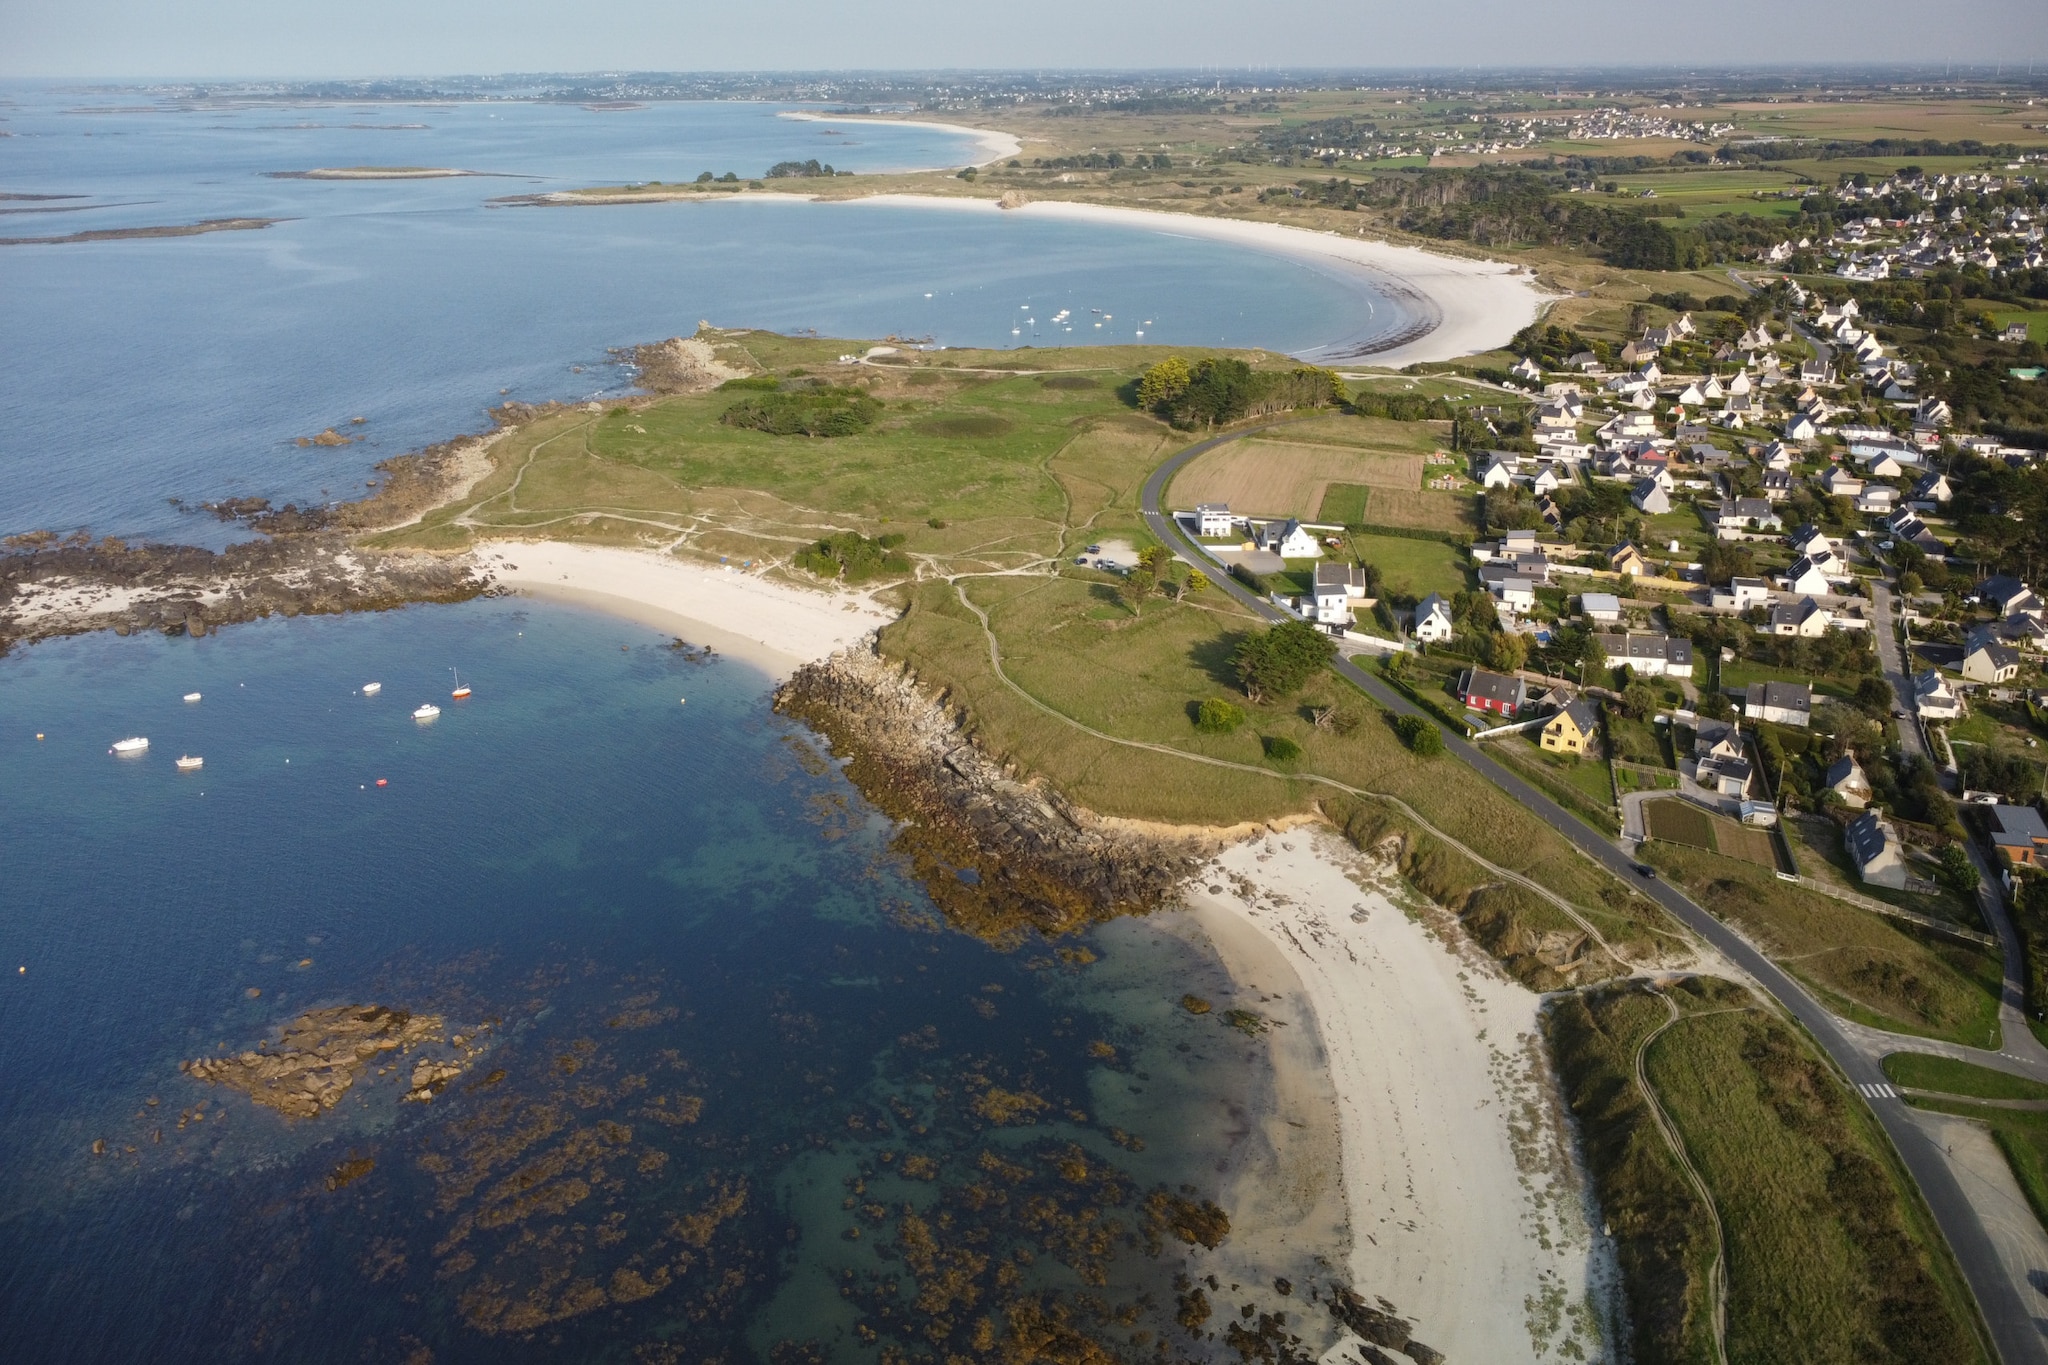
1877 1091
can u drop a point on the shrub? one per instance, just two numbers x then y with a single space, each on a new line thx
1218 717
852 557
1419 735
1281 749
1279 661
1957 873
820 411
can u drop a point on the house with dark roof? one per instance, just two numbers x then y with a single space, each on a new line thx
1873 846
2019 833
1986 658
2005 595
1494 692
1736 515
1650 654
1572 729
1846 779
1781 703
1805 618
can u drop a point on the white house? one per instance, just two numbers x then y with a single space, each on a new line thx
1214 519
1603 608
1289 539
1986 659
1801 428
1432 620
1934 698
1846 778
1805 618
1805 578
1338 589
1649 654
1500 469
1840 483
1649 498
1741 594
1874 848
1782 703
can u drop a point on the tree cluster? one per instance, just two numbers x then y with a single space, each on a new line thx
1280 661
821 410
1221 389
851 557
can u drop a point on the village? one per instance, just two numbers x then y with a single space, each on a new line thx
1696 575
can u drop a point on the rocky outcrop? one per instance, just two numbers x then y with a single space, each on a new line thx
318 1057
1001 857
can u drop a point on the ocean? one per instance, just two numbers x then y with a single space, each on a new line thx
697 1071
139 371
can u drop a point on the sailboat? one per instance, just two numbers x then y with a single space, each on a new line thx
461 690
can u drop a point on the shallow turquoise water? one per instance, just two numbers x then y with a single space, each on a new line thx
643 902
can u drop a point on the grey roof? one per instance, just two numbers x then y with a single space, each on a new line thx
1778 696
1330 575
1843 768
1672 649
1583 715
2017 825
1793 613
1867 838
1985 638
1494 687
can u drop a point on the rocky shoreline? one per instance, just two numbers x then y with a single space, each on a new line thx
1000 857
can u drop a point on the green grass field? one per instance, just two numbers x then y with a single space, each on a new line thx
1948 1076
1857 1275
1413 568
1869 968
1344 504
2037 322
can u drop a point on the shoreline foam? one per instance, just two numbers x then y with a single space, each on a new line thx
999 145
1464 1202
776 627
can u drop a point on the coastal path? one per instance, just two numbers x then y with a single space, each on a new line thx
2007 1303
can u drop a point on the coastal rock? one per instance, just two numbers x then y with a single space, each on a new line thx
318 1056
1038 862
682 365
1013 199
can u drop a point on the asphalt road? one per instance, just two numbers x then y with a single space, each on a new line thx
2009 1309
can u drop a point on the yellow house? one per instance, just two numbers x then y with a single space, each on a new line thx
1572 729
1627 560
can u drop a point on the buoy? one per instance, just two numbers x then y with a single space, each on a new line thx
682 701
39 734
380 781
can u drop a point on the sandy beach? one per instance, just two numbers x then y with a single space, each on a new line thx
774 626
993 145
1466 306
1465 1209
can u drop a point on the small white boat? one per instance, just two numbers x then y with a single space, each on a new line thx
191 696
129 746
372 689
426 712
190 763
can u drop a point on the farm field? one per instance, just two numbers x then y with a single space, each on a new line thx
1290 473
1680 822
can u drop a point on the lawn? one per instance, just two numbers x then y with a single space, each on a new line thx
2037 322
1413 568
1947 1076
1830 1258
1344 504
1580 785
1638 741
1743 672
1822 856
1872 969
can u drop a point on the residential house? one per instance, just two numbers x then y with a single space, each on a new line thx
1816 372
1289 539
2019 833
2025 632
1741 594
1933 412
1779 456
1339 588
1812 542
1805 577
1846 779
1986 658
1777 484
1214 519
1512 591
1725 776
1838 482
1805 618
1882 464
1499 469
1934 698
1801 428
1525 368
1492 692
1432 620
1650 498
1546 480
1933 488
1571 730
1781 703
1878 500
2005 595
1628 561
1907 527
1650 654
1874 847
1601 608
1737 515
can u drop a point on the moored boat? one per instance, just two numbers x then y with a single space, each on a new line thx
461 689
426 712
191 696
190 762
133 745
372 689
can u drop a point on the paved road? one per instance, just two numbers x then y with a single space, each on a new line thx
2008 1307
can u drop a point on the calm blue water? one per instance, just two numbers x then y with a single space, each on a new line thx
134 372
742 1095
569 847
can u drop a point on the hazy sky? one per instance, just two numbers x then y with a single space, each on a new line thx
311 38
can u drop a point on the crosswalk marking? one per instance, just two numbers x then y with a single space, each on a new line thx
1877 1091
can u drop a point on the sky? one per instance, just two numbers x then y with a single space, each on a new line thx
304 39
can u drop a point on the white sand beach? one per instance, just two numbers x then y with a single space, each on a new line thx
1466 306
993 145
773 625
1465 1210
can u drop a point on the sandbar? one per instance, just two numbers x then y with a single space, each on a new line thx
1466 1207
995 145
775 626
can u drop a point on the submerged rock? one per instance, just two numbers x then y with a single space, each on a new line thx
318 1056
